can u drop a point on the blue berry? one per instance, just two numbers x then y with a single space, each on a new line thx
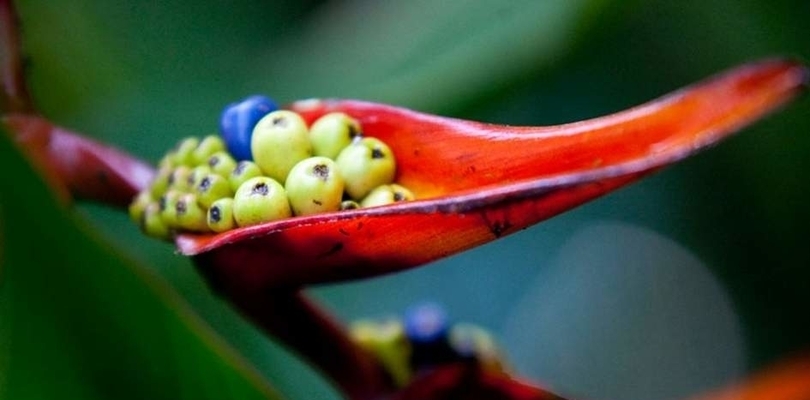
426 323
237 122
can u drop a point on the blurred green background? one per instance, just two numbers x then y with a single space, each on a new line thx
686 281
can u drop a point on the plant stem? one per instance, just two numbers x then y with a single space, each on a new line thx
14 96
295 320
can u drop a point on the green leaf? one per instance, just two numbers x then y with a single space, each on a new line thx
425 54
79 321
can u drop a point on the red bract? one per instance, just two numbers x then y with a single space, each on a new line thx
477 182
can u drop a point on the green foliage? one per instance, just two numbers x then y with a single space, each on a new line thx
82 321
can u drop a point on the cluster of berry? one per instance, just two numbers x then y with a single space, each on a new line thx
424 339
267 165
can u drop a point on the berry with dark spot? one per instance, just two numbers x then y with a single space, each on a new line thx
220 215
314 186
260 199
243 171
331 133
280 140
387 194
364 165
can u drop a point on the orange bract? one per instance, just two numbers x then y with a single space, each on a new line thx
477 182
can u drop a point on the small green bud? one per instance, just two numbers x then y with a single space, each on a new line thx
260 199
167 209
152 224
314 186
243 171
197 174
389 344
220 215
183 154
472 341
211 188
160 183
138 205
386 194
190 216
178 180
280 140
221 163
331 133
364 165
349 205
167 160
208 146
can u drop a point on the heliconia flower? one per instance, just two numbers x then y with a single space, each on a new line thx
473 183
477 182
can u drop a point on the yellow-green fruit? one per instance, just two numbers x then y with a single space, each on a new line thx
138 205
314 186
331 133
260 199
221 163
209 145
220 215
387 194
167 204
152 224
178 180
183 154
364 165
349 205
243 171
280 140
197 174
211 188
160 183
389 344
471 341
190 216
167 160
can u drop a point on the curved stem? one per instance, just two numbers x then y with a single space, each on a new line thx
76 166
14 96
289 316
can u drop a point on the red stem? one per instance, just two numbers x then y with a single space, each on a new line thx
14 96
295 320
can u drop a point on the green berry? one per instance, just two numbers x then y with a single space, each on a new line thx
364 165
197 174
314 186
472 341
138 205
387 341
178 180
332 133
183 154
210 145
387 194
243 171
160 183
260 199
152 223
167 204
190 216
280 140
211 188
221 163
349 205
220 215
167 160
